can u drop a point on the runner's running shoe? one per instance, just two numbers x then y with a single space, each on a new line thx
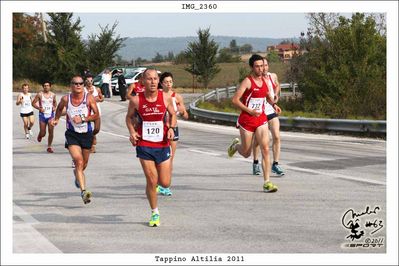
155 221
277 170
86 195
164 190
269 187
256 169
39 138
27 136
50 150
30 132
231 150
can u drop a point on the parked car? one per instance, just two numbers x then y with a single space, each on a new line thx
131 76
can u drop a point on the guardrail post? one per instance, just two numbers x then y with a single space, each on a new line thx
217 95
293 88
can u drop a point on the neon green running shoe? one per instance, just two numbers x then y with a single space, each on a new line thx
269 187
154 220
231 150
86 195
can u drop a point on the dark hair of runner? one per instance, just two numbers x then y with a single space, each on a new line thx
165 75
253 58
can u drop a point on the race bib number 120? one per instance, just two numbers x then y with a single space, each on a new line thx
153 131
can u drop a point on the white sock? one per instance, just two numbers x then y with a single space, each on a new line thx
155 211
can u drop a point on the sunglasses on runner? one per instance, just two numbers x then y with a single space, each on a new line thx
77 83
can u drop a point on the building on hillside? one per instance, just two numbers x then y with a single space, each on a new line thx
285 51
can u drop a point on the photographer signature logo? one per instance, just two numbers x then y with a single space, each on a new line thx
363 228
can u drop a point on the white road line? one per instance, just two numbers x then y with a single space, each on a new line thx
113 134
335 175
26 239
359 179
205 152
24 215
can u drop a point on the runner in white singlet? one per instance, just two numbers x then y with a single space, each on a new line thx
25 100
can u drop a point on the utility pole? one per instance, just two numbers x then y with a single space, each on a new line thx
44 28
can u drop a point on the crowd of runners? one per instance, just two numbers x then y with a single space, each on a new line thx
151 120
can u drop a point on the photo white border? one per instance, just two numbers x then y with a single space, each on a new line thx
389 7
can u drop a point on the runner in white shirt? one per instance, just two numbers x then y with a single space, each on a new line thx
25 100
274 125
98 96
166 80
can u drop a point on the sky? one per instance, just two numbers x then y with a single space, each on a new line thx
262 25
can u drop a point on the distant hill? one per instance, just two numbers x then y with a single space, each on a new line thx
147 47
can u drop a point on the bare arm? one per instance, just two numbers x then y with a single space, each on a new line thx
172 115
19 99
181 106
129 91
94 115
278 88
61 106
54 102
100 97
35 101
131 111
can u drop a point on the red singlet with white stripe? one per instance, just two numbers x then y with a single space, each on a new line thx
254 98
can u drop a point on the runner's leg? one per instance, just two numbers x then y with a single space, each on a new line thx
151 175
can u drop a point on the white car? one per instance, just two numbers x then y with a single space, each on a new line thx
131 76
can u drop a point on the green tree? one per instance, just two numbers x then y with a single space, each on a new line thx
225 56
139 61
158 58
273 57
181 58
202 57
246 48
28 46
233 46
65 48
343 72
101 49
170 56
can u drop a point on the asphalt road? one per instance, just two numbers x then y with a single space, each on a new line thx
217 205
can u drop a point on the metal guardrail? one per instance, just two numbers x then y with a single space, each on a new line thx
346 125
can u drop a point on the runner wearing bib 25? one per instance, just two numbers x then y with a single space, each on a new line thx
152 136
